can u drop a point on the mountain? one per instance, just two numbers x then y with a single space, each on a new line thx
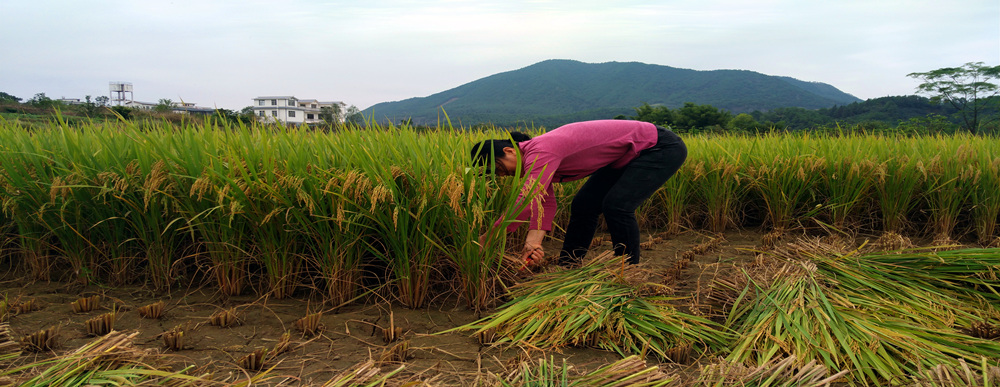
554 92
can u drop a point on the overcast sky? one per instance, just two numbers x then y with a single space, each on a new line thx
362 52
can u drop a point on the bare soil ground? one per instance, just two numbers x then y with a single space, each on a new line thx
351 334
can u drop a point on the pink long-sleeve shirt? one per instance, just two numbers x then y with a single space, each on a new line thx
572 152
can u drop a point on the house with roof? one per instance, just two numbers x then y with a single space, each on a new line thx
291 110
175 107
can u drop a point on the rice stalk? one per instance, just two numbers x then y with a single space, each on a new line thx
483 207
152 311
336 231
7 343
881 316
984 373
173 339
897 187
310 324
785 184
847 184
107 360
406 221
362 375
101 325
255 361
631 371
786 372
43 340
595 305
986 203
86 304
23 165
947 186
224 318
719 186
674 200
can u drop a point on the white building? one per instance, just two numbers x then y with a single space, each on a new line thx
289 109
176 107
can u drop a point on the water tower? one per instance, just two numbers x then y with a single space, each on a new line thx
118 92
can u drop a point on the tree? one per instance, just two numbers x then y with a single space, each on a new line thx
41 101
124 112
89 107
967 88
4 97
353 115
247 115
743 122
165 105
332 114
658 115
102 100
692 116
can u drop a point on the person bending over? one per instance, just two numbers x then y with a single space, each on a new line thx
627 161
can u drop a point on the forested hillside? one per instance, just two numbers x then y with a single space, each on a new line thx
553 92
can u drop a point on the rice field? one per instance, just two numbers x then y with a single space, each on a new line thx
392 215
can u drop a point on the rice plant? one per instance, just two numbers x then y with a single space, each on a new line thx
984 373
107 360
673 201
364 374
630 371
986 203
786 372
596 305
897 188
883 317
336 231
846 184
786 184
26 177
947 186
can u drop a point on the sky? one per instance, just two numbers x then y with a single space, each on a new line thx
224 53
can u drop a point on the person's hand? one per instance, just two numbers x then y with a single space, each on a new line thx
532 254
533 251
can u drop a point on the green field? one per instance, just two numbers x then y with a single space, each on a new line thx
295 213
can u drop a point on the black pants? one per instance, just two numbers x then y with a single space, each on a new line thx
617 193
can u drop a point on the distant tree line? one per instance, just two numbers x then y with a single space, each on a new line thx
910 114
39 109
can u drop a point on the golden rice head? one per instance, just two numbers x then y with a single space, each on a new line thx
201 187
453 189
157 180
379 194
